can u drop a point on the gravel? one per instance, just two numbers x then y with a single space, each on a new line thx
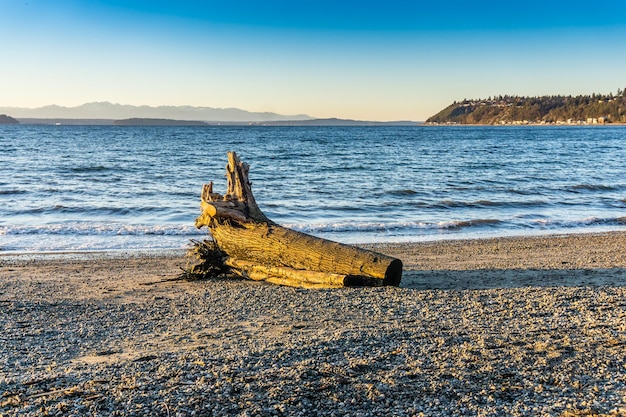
98 345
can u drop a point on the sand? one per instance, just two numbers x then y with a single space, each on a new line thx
506 326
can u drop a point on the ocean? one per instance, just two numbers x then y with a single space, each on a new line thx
91 188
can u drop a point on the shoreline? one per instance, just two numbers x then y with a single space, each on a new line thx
526 124
502 326
580 259
590 250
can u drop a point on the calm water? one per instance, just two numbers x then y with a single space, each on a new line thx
104 187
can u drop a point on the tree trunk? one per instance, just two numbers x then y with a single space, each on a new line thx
259 249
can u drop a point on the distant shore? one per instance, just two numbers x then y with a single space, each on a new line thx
295 123
178 122
526 124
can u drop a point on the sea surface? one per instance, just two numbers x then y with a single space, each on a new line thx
85 188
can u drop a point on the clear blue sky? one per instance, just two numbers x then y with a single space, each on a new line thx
374 60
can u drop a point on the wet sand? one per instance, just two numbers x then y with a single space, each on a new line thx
507 326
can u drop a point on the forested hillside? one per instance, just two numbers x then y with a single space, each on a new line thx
583 109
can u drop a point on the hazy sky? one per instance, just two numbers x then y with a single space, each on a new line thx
374 60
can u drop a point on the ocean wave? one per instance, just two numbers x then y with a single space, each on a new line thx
523 192
108 229
591 187
373 227
58 209
401 227
403 192
13 192
454 204
573 223
458 224
89 168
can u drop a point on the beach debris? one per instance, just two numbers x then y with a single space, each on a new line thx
247 243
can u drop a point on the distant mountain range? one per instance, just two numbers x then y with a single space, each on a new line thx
111 111
105 113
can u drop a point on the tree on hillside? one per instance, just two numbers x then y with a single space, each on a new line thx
552 109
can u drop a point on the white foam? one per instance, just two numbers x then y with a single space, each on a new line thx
87 236
102 229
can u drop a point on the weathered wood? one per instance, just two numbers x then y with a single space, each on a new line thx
259 247
285 275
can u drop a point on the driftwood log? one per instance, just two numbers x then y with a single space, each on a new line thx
253 246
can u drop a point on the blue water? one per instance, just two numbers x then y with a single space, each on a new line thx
110 187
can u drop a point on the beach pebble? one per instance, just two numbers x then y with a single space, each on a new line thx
113 343
452 353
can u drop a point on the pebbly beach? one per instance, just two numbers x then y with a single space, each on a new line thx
506 326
